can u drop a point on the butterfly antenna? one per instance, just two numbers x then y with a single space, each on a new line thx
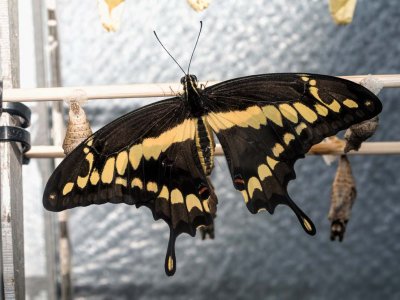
195 45
168 52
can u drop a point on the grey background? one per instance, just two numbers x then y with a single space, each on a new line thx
119 251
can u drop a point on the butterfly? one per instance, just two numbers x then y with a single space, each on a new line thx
160 156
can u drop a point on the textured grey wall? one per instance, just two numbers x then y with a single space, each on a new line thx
119 251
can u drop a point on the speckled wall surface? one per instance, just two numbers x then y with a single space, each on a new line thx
119 251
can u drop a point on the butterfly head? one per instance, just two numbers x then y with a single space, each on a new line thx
189 82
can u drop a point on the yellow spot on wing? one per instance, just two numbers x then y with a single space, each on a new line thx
82 181
271 162
90 142
95 177
152 187
170 263
122 162
135 155
300 128
176 196
253 185
305 78
307 225
309 115
289 113
164 194
250 117
273 114
107 174
277 150
67 188
193 201
350 103
263 172
136 182
334 105
321 110
86 150
206 206
121 181
313 82
288 137
152 147
245 196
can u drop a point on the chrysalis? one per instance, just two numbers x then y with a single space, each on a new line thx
110 13
343 196
358 133
199 5
78 128
342 11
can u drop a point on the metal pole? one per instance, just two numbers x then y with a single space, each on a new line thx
58 135
12 237
45 167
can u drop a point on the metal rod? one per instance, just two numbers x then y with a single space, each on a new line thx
45 166
12 229
58 136
336 148
138 90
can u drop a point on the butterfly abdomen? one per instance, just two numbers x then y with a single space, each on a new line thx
205 146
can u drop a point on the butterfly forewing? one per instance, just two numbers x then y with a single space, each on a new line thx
266 122
143 158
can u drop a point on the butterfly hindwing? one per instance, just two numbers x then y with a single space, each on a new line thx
143 158
266 122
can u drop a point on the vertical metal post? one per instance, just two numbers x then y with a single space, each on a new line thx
12 238
45 166
58 135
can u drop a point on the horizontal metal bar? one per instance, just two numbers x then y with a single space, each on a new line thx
332 148
137 90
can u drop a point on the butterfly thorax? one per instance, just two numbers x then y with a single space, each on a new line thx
205 145
193 95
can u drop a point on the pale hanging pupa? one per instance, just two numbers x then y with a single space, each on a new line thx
342 199
199 5
110 13
342 11
78 127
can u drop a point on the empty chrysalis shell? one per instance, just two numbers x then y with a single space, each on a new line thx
342 199
78 127
110 13
342 11
199 5
358 133
328 158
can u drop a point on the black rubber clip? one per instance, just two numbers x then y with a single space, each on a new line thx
15 133
1 97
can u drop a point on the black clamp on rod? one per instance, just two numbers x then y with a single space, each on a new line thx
15 133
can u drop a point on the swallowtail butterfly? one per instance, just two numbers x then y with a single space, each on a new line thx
160 155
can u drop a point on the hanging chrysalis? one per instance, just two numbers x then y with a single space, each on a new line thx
358 133
342 11
343 196
78 128
199 5
110 13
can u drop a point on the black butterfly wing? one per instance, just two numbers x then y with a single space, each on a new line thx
266 122
143 158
